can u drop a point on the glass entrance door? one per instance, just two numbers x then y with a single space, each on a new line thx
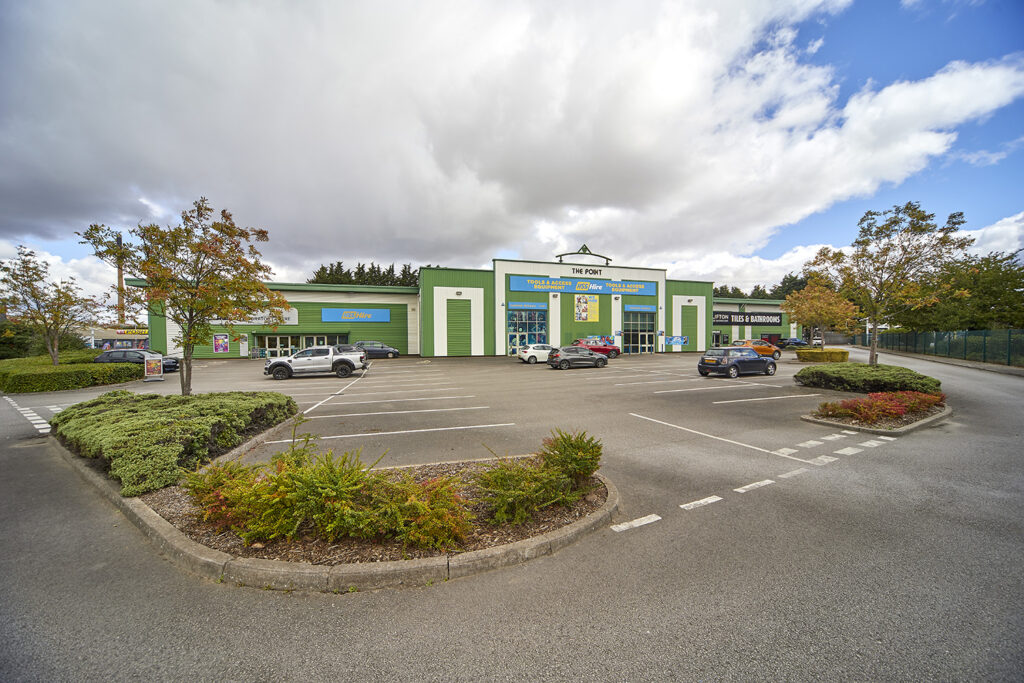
638 333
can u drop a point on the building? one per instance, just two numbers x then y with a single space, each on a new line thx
463 312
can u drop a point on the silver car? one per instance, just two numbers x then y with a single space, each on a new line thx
534 352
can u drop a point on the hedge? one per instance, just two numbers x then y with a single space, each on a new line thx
866 379
146 439
74 371
822 355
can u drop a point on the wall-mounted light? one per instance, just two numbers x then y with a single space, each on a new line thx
616 298
554 296
458 293
503 304
689 301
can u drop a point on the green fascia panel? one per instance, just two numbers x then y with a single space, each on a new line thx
157 331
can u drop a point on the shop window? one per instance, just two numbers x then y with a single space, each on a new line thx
526 327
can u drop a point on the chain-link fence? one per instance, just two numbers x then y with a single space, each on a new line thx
1005 347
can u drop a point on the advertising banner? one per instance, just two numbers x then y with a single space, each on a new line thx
633 308
291 317
355 315
220 343
154 370
587 308
677 341
529 283
735 318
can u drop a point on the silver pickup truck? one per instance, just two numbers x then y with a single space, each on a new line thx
340 359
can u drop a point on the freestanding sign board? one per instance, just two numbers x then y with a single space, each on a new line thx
154 370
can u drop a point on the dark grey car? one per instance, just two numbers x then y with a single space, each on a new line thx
136 356
735 361
576 356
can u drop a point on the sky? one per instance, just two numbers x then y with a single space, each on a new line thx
722 140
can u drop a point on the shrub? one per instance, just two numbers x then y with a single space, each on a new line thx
147 439
576 455
822 355
515 491
862 378
882 405
332 497
74 371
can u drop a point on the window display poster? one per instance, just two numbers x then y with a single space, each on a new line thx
587 308
220 343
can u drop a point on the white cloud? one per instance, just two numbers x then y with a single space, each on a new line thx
1006 234
448 132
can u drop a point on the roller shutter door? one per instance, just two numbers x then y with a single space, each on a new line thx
460 328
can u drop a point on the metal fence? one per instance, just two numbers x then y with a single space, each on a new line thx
1005 347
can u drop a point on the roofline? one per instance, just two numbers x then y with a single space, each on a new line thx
312 287
728 300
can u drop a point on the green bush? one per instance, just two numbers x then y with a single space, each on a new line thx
147 439
74 371
302 491
822 355
866 379
515 491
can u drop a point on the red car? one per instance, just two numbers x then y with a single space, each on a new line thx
609 350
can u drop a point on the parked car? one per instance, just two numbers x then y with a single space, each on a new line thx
376 349
818 341
576 356
762 347
791 341
734 361
341 359
607 350
535 352
139 356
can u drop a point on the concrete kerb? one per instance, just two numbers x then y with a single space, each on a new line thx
279 575
899 431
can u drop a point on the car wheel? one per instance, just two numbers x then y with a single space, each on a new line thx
612 354
733 371
343 370
601 362
531 360
769 369
391 354
703 373
281 373
777 355
563 365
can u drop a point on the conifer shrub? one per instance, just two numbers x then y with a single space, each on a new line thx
866 379
145 440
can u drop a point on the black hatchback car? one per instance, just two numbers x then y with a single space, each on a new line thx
735 361
135 356
576 356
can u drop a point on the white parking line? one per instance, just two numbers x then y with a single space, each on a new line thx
755 485
810 444
701 503
849 451
769 398
793 473
785 451
834 437
719 386
635 523
407 391
871 444
41 425
658 381
402 400
823 460
718 438
309 410
405 431
399 412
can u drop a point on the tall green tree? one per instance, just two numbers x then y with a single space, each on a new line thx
727 292
790 283
197 272
818 307
52 309
759 292
996 285
887 269
337 274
